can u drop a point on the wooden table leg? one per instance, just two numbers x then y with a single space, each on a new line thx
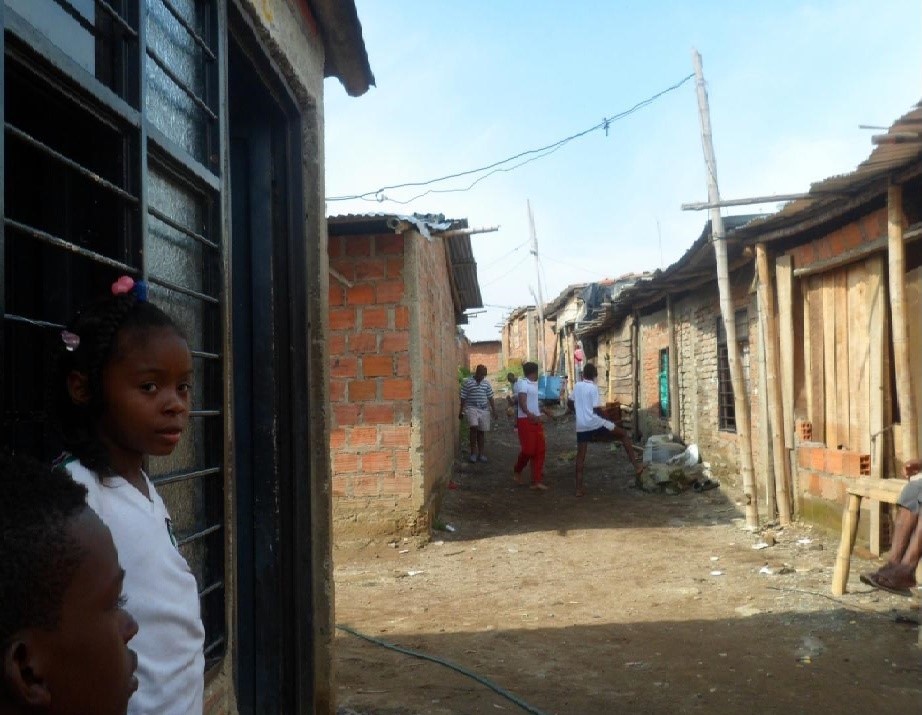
846 544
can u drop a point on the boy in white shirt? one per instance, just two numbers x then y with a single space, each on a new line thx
530 428
591 426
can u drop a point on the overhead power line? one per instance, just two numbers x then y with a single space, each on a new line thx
497 166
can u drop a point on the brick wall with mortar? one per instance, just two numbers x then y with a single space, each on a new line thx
488 353
435 437
654 336
393 381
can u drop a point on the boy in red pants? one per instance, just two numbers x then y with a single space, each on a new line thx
530 428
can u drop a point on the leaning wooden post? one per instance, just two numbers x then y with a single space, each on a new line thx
896 251
771 507
740 396
776 411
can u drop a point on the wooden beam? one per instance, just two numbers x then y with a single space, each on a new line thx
876 296
856 254
785 282
767 313
674 414
765 442
771 199
897 265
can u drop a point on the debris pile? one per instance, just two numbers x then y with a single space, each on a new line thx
672 468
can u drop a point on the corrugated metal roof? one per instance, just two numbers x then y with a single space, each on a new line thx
839 194
695 265
460 250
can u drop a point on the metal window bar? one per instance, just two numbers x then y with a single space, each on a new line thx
211 647
177 80
185 476
160 216
89 26
205 413
116 16
52 240
205 355
70 163
78 17
208 589
726 408
199 534
188 28
169 285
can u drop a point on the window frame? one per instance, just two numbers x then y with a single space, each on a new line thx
726 404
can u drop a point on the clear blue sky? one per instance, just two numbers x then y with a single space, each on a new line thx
463 84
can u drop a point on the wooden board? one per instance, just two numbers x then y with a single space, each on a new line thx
817 358
828 328
914 335
858 359
843 398
784 280
877 314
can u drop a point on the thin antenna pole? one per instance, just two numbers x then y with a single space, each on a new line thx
534 252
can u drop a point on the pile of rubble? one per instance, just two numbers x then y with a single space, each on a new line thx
672 467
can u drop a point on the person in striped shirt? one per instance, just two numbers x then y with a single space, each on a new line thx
477 406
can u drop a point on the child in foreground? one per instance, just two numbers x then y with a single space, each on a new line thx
592 426
63 627
122 393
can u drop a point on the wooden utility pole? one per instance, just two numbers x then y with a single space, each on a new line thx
773 383
896 251
542 356
740 396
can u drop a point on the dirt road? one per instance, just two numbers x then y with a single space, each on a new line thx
616 602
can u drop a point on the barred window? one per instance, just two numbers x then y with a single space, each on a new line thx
726 408
111 167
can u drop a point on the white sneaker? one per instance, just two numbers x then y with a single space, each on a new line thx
483 459
472 458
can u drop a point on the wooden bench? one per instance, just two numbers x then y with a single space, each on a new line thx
885 491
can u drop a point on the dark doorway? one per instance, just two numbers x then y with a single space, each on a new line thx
270 390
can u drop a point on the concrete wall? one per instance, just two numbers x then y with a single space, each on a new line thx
393 382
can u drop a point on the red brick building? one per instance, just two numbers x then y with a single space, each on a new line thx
488 353
521 338
399 287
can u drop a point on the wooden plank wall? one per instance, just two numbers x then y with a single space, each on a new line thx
913 313
837 328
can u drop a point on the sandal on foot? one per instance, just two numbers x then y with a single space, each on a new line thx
539 486
705 485
873 580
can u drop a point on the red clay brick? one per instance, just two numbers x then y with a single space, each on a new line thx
365 486
389 244
337 390
389 291
340 485
343 366
371 269
345 414
363 436
358 246
342 318
834 461
402 459
334 246
397 389
803 457
395 342
345 462
377 365
335 294
338 438
363 294
374 317
394 267
818 459
851 464
379 413
382 461
363 343
404 484
336 344
395 436
401 317
362 390
403 365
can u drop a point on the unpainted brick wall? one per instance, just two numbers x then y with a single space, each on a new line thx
488 353
370 381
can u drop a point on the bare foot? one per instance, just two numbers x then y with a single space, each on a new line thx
580 492
519 478
539 486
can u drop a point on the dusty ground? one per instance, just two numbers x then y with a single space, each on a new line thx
611 603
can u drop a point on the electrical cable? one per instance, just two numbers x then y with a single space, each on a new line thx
378 195
575 267
506 273
497 261
499 690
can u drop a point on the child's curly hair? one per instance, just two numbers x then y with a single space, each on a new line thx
97 327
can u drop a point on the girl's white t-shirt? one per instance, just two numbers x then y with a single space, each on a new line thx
585 399
162 595
531 396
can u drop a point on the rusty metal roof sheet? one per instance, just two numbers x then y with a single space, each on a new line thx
896 156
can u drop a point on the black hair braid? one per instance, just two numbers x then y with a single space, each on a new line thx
98 327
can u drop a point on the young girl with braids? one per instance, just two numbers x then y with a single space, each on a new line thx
121 392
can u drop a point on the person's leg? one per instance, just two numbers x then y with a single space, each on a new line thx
522 459
906 523
481 437
473 441
902 575
539 448
483 426
581 449
625 438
